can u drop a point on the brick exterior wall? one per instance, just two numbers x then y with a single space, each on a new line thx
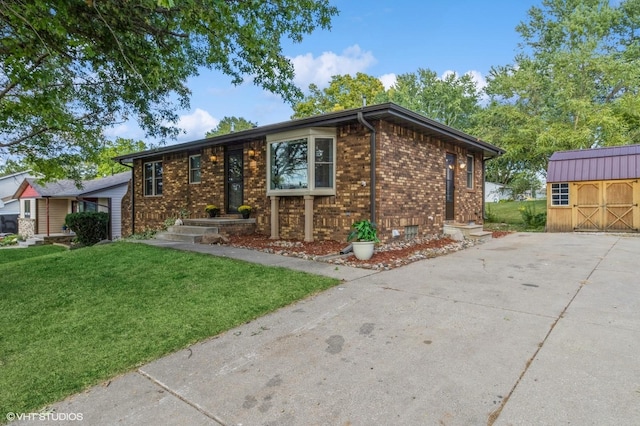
410 187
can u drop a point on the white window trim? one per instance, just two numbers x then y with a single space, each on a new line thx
23 210
558 192
471 170
191 169
144 179
310 134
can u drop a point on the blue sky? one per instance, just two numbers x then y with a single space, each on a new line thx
379 38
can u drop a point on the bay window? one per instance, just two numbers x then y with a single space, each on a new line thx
301 162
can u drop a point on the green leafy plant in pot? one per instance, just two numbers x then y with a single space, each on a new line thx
363 237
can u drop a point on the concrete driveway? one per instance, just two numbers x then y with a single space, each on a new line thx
529 329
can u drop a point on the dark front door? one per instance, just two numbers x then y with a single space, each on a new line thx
450 187
235 182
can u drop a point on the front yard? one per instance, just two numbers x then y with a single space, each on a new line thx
71 319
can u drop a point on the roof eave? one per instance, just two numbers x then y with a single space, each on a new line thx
379 111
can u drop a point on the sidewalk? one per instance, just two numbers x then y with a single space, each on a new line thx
341 272
526 329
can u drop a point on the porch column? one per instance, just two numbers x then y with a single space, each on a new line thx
275 218
308 218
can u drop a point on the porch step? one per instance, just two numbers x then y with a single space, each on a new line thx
481 235
33 241
186 233
469 231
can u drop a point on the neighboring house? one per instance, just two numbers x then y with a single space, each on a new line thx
43 207
9 206
594 190
311 178
494 192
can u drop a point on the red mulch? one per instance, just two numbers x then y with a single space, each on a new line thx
388 254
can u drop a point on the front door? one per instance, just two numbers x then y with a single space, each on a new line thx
450 187
235 181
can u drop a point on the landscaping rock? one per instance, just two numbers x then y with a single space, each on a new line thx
214 239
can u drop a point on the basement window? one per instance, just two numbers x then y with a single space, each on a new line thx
410 232
559 194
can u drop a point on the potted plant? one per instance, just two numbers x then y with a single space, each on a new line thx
363 237
245 211
212 210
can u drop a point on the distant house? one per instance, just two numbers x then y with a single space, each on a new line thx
494 192
311 178
594 190
9 206
43 207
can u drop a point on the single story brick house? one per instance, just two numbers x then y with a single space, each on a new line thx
43 207
311 178
594 190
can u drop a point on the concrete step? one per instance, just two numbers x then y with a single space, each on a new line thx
31 242
188 229
185 238
481 235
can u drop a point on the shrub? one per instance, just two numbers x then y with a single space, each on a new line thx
89 227
531 218
9 240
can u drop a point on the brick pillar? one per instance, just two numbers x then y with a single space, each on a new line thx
275 218
308 218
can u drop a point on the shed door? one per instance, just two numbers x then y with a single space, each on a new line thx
618 206
605 206
588 206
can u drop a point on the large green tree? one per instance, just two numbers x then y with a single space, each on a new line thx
70 69
343 92
229 125
451 100
105 166
574 84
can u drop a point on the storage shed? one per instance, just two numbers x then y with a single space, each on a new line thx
594 190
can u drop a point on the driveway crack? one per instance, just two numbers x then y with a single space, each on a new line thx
496 413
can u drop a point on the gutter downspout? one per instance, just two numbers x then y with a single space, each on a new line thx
133 198
484 189
372 188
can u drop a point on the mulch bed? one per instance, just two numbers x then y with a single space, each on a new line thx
386 256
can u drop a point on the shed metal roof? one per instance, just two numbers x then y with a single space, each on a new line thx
610 163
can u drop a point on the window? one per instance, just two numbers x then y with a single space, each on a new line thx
410 232
559 194
302 162
27 209
470 171
194 169
89 205
153 178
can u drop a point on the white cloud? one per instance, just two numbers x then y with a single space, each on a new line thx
196 124
476 76
126 130
388 80
319 71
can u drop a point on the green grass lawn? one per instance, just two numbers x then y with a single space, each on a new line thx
71 319
14 254
508 216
